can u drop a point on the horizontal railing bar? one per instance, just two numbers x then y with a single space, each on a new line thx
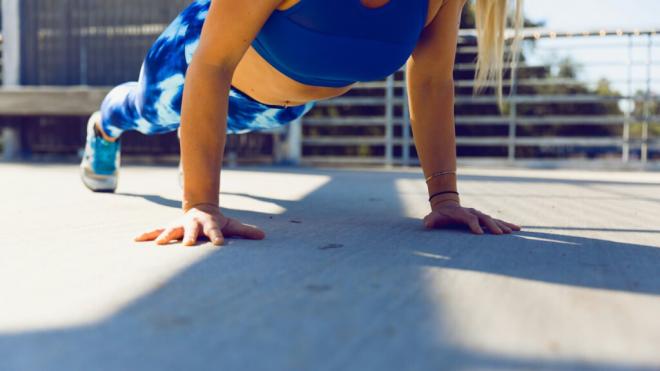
486 120
486 160
520 66
542 120
347 160
469 99
572 141
543 32
543 82
542 142
346 140
469 49
482 120
35 100
554 119
555 98
482 141
348 121
380 121
526 33
138 29
507 82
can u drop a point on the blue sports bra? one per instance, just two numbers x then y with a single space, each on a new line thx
336 43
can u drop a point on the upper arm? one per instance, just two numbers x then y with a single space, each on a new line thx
434 55
229 29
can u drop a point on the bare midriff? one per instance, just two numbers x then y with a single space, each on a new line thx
263 82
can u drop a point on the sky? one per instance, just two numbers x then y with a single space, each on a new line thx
595 52
594 13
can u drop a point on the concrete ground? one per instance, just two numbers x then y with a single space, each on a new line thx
347 278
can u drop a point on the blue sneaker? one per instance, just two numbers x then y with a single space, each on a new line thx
99 169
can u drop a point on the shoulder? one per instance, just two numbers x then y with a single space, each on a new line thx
434 7
230 27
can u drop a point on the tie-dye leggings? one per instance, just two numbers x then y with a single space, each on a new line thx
152 105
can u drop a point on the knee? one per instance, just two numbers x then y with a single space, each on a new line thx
161 109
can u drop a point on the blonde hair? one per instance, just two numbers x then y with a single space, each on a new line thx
491 23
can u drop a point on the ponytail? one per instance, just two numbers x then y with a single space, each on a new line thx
491 22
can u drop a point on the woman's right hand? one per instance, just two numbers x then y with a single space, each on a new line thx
205 218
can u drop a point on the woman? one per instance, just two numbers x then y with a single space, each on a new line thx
252 65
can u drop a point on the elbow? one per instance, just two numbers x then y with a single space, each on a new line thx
434 82
432 85
431 81
217 69
216 74
207 61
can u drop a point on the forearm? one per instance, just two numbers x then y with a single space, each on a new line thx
203 132
432 122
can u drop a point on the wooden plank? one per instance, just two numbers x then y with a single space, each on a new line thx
52 101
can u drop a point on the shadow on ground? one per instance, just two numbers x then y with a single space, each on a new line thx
351 298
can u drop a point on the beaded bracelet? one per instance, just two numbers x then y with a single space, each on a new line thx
442 193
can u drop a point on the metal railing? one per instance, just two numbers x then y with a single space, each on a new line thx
1 40
389 149
383 136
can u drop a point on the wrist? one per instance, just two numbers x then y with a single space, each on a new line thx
442 190
444 200
186 206
194 196
445 182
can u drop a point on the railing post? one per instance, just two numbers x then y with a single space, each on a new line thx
294 142
11 45
389 121
11 62
647 103
405 125
625 136
512 115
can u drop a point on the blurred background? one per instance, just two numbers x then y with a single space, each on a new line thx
584 93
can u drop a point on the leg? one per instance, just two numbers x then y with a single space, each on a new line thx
152 105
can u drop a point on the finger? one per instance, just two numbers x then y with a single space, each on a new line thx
168 235
212 231
149 236
236 228
190 233
429 220
489 222
471 220
514 227
505 228
437 219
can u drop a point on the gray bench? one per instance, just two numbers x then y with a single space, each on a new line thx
82 101
44 101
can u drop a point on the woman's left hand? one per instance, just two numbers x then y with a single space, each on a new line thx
452 213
